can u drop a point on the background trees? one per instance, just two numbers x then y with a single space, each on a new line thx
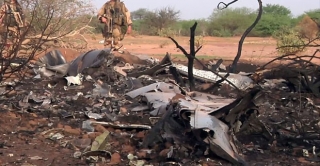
155 22
222 23
230 21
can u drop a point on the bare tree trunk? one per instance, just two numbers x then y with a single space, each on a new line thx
233 66
191 57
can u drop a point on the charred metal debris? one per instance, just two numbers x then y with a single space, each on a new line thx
127 95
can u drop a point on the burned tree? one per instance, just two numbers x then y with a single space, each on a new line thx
245 34
191 55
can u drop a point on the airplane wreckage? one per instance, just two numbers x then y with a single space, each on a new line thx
197 123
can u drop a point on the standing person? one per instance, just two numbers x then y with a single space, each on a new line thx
11 17
12 21
117 22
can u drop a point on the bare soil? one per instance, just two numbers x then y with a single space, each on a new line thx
21 141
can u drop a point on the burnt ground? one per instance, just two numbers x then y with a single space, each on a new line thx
24 141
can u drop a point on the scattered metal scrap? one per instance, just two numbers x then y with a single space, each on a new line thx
54 64
154 98
127 66
196 111
241 81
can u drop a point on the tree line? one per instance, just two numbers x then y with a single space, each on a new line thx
222 23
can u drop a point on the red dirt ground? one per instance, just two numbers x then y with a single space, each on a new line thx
256 50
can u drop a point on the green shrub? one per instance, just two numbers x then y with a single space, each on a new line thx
167 32
221 33
288 41
198 41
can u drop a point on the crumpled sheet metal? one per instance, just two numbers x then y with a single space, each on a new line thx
92 58
208 100
147 58
219 141
48 71
159 95
240 81
159 86
118 69
199 105
52 64
31 97
74 80
157 100
185 104
52 58
102 90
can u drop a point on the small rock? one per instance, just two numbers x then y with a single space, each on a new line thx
140 134
11 93
60 126
69 130
33 115
92 135
100 128
118 131
77 154
142 154
115 158
123 110
81 143
127 149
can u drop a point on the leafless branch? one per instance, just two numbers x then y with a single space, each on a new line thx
204 66
245 34
222 5
49 23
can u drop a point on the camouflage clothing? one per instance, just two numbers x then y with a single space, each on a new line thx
115 28
11 19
